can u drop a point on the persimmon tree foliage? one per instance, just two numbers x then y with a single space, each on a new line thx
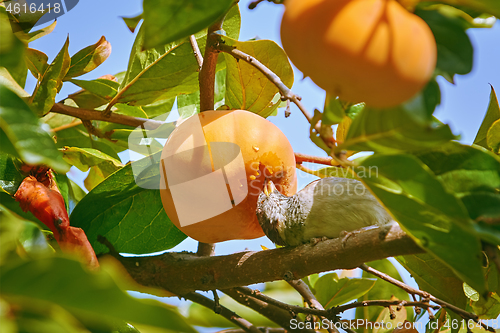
444 194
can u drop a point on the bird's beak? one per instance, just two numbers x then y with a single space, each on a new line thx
268 188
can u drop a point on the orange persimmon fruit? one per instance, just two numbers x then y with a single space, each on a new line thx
371 51
239 147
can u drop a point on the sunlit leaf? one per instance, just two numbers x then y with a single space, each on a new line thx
332 291
132 22
473 175
454 48
8 81
130 217
99 87
89 58
333 112
433 217
246 87
435 278
172 67
492 115
37 62
381 290
51 82
493 137
41 32
21 131
166 21
67 283
392 130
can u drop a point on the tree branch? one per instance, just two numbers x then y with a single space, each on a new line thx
285 91
225 312
280 316
310 299
84 114
462 313
181 273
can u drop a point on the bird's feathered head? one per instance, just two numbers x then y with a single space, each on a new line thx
271 208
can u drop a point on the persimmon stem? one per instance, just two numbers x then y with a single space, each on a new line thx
207 72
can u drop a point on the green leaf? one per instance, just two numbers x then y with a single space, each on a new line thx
84 158
166 21
88 59
484 6
435 278
454 48
12 49
333 112
68 284
422 106
392 130
172 67
493 137
381 290
130 217
100 87
132 22
8 81
37 62
332 291
77 136
434 218
473 175
51 82
10 177
492 115
25 134
42 32
246 87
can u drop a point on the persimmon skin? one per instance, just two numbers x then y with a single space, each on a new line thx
371 51
264 148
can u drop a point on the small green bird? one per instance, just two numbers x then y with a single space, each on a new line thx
324 208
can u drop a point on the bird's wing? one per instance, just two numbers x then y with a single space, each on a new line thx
339 204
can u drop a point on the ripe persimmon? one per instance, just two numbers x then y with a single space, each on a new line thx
212 175
371 51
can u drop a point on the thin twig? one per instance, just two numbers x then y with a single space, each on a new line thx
284 90
225 312
332 312
301 158
84 114
308 296
262 329
196 51
462 313
280 316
